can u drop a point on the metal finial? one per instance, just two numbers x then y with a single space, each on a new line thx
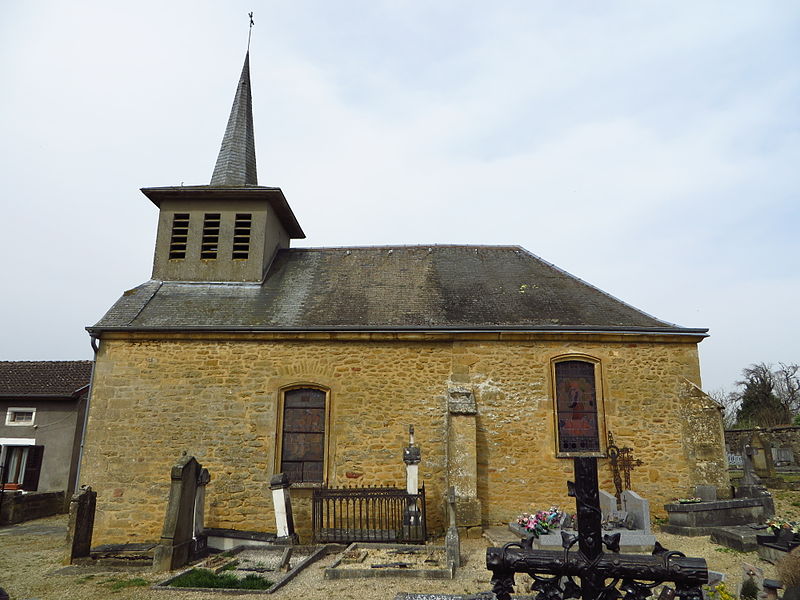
250 30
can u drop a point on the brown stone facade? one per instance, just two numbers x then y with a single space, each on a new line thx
218 397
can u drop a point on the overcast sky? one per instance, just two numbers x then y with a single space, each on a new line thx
649 148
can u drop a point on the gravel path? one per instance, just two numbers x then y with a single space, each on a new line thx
31 554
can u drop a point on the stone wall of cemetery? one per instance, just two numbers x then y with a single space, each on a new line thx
219 399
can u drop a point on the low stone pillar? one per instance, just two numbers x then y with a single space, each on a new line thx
81 524
177 536
412 516
452 543
462 457
282 503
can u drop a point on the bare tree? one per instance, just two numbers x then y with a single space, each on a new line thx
787 386
730 402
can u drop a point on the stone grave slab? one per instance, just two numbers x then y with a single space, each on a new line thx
280 564
701 518
391 560
737 537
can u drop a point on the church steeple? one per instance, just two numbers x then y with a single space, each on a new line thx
236 163
231 229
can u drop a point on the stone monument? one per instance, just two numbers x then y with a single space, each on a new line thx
451 540
178 540
282 503
81 523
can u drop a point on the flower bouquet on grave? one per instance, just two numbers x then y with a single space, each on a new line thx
689 500
776 525
541 522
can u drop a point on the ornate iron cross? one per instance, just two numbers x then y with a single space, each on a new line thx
622 463
602 576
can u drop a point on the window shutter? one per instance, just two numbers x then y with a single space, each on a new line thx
33 466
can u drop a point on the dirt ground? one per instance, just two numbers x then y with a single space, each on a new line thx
31 553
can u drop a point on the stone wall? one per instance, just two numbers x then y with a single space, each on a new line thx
17 507
777 437
218 400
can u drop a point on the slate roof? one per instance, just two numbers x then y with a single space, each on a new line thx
387 288
236 162
51 379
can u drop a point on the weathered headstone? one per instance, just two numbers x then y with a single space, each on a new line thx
175 546
750 485
81 523
762 457
706 493
452 542
638 508
608 504
282 504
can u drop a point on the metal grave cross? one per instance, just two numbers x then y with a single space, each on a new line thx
603 576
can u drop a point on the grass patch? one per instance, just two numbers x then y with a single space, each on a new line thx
126 583
230 566
203 578
727 550
85 579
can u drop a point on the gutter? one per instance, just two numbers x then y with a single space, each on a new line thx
96 331
95 348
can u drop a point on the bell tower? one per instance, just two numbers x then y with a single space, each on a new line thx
229 230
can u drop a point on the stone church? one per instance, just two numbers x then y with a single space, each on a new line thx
259 358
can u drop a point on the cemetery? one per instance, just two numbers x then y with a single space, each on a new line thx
250 404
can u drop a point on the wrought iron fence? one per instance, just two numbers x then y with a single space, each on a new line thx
368 514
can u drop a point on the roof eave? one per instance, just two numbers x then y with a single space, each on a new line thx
676 331
273 195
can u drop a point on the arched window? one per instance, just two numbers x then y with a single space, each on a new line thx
302 447
578 427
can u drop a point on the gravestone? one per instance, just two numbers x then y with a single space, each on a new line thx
177 537
639 509
750 485
706 493
608 504
762 457
81 523
451 541
282 504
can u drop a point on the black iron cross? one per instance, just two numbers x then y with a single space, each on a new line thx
602 576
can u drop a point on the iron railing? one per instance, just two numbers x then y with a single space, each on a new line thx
368 514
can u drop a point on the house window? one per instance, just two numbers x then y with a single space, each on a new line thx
302 456
20 416
180 232
578 426
21 465
210 242
241 235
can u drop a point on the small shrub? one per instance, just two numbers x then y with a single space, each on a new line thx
789 568
749 589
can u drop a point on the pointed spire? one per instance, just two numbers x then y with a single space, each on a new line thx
236 163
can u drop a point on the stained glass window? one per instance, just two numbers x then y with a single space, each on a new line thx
303 448
576 402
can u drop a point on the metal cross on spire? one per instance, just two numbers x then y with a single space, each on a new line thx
250 30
